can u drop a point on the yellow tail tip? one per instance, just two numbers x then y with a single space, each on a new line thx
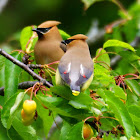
75 93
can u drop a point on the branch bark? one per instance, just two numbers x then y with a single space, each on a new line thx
26 68
23 85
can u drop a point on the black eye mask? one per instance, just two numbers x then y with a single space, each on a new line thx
67 41
41 31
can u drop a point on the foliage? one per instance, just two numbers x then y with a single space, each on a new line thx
110 105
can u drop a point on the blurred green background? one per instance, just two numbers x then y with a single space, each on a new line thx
20 13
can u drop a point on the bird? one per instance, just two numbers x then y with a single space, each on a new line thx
75 68
47 48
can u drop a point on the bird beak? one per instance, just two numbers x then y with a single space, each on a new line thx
63 42
75 93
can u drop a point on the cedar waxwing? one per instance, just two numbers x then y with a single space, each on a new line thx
47 48
76 66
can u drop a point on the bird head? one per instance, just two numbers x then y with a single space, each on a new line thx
74 38
45 27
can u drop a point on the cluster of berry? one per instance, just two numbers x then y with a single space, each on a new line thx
28 112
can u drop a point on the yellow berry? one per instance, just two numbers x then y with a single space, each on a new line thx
26 123
87 131
29 106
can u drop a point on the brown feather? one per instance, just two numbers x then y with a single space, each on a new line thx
47 49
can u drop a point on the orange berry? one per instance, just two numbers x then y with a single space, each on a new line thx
27 117
87 131
29 106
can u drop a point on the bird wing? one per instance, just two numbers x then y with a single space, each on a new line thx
85 74
64 70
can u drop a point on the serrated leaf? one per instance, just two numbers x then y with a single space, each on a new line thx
119 109
26 132
64 34
12 73
76 132
118 91
103 57
132 98
135 87
28 39
10 108
117 43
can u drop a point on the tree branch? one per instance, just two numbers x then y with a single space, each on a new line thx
23 85
26 68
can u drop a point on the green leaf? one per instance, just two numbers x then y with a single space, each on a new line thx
65 130
64 34
45 116
135 110
82 101
10 108
132 98
119 109
12 73
13 135
117 43
2 61
131 58
3 133
109 137
1 100
76 132
135 87
103 57
61 106
118 91
2 76
26 132
102 77
28 39
15 107
135 115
